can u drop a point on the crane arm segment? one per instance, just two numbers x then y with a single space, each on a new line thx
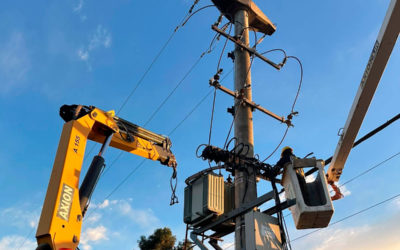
65 202
376 65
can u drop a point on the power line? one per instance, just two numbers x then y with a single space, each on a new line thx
209 50
370 169
349 216
26 238
142 162
190 113
139 82
362 139
173 91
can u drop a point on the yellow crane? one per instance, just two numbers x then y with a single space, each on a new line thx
65 202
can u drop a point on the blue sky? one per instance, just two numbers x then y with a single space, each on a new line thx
94 52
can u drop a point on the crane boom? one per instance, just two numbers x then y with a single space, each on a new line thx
65 202
373 72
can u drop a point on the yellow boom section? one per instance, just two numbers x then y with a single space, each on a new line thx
61 219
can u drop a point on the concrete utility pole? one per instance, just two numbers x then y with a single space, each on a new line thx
245 183
244 14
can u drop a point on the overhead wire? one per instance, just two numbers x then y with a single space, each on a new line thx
362 139
256 42
172 131
349 216
173 91
215 90
139 82
207 51
369 169
142 162
26 238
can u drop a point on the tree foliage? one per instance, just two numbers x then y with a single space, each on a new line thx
161 239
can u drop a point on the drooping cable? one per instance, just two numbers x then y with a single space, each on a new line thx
212 116
215 90
292 112
194 13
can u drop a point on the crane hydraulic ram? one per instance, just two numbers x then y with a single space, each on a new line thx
65 202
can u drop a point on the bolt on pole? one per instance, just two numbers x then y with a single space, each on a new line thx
245 182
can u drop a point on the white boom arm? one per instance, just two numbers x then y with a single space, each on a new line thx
376 65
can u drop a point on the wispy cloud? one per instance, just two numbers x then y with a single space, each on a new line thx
101 38
16 242
380 235
78 7
143 218
20 216
78 10
15 62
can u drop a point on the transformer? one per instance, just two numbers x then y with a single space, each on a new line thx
204 197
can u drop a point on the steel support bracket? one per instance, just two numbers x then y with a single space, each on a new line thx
252 104
236 212
248 49
282 206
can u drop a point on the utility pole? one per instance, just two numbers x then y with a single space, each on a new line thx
244 15
245 182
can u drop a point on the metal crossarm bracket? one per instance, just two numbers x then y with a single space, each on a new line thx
282 206
238 211
250 103
248 49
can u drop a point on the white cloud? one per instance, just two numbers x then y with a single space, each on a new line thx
83 54
105 203
93 218
143 218
396 203
93 235
343 189
15 62
16 242
79 6
381 235
20 216
101 38
78 9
